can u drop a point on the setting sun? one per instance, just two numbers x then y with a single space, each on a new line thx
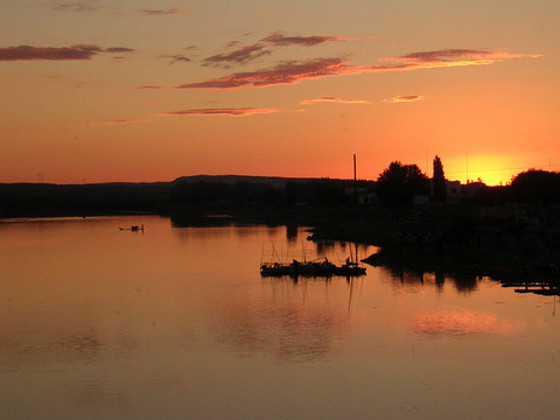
492 170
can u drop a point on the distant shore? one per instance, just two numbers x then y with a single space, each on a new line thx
433 238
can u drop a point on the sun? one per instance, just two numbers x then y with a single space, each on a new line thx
492 170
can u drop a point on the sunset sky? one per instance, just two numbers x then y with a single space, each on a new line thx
139 90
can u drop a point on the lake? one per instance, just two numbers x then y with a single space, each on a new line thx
177 323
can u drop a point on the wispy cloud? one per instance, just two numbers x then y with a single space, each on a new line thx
331 99
286 73
232 112
118 50
147 87
156 12
241 55
173 59
78 6
294 71
117 122
75 52
448 58
459 55
248 53
404 98
278 39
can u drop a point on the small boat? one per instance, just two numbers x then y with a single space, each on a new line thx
312 269
134 228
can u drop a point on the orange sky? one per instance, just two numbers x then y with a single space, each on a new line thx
139 90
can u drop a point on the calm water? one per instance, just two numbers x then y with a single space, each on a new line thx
176 323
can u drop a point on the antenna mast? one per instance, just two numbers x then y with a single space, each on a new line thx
355 180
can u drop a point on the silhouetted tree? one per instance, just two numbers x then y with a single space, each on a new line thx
536 186
398 184
438 181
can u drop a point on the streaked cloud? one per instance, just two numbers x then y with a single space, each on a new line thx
248 53
119 50
447 58
331 99
278 39
460 55
173 59
78 6
294 71
286 73
404 98
241 55
232 112
156 12
117 122
75 52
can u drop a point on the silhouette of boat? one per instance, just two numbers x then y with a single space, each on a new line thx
134 228
312 269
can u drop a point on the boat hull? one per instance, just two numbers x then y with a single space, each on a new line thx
311 270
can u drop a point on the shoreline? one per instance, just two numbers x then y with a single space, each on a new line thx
438 239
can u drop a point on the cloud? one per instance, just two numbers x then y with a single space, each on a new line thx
173 59
117 122
119 50
330 99
450 58
278 39
241 55
152 12
24 52
459 55
75 52
233 112
286 73
246 54
79 6
294 71
404 98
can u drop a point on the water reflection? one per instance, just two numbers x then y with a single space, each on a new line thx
463 322
293 321
292 232
465 283
98 323
189 219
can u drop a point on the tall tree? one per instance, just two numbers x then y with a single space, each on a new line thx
536 187
398 184
438 181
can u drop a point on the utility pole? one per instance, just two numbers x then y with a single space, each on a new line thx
355 181
467 166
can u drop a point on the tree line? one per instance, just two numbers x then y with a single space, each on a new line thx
318 192
399 183
396 187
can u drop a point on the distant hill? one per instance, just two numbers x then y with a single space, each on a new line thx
37 200
275 181
41 200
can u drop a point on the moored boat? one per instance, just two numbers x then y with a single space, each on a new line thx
312 269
